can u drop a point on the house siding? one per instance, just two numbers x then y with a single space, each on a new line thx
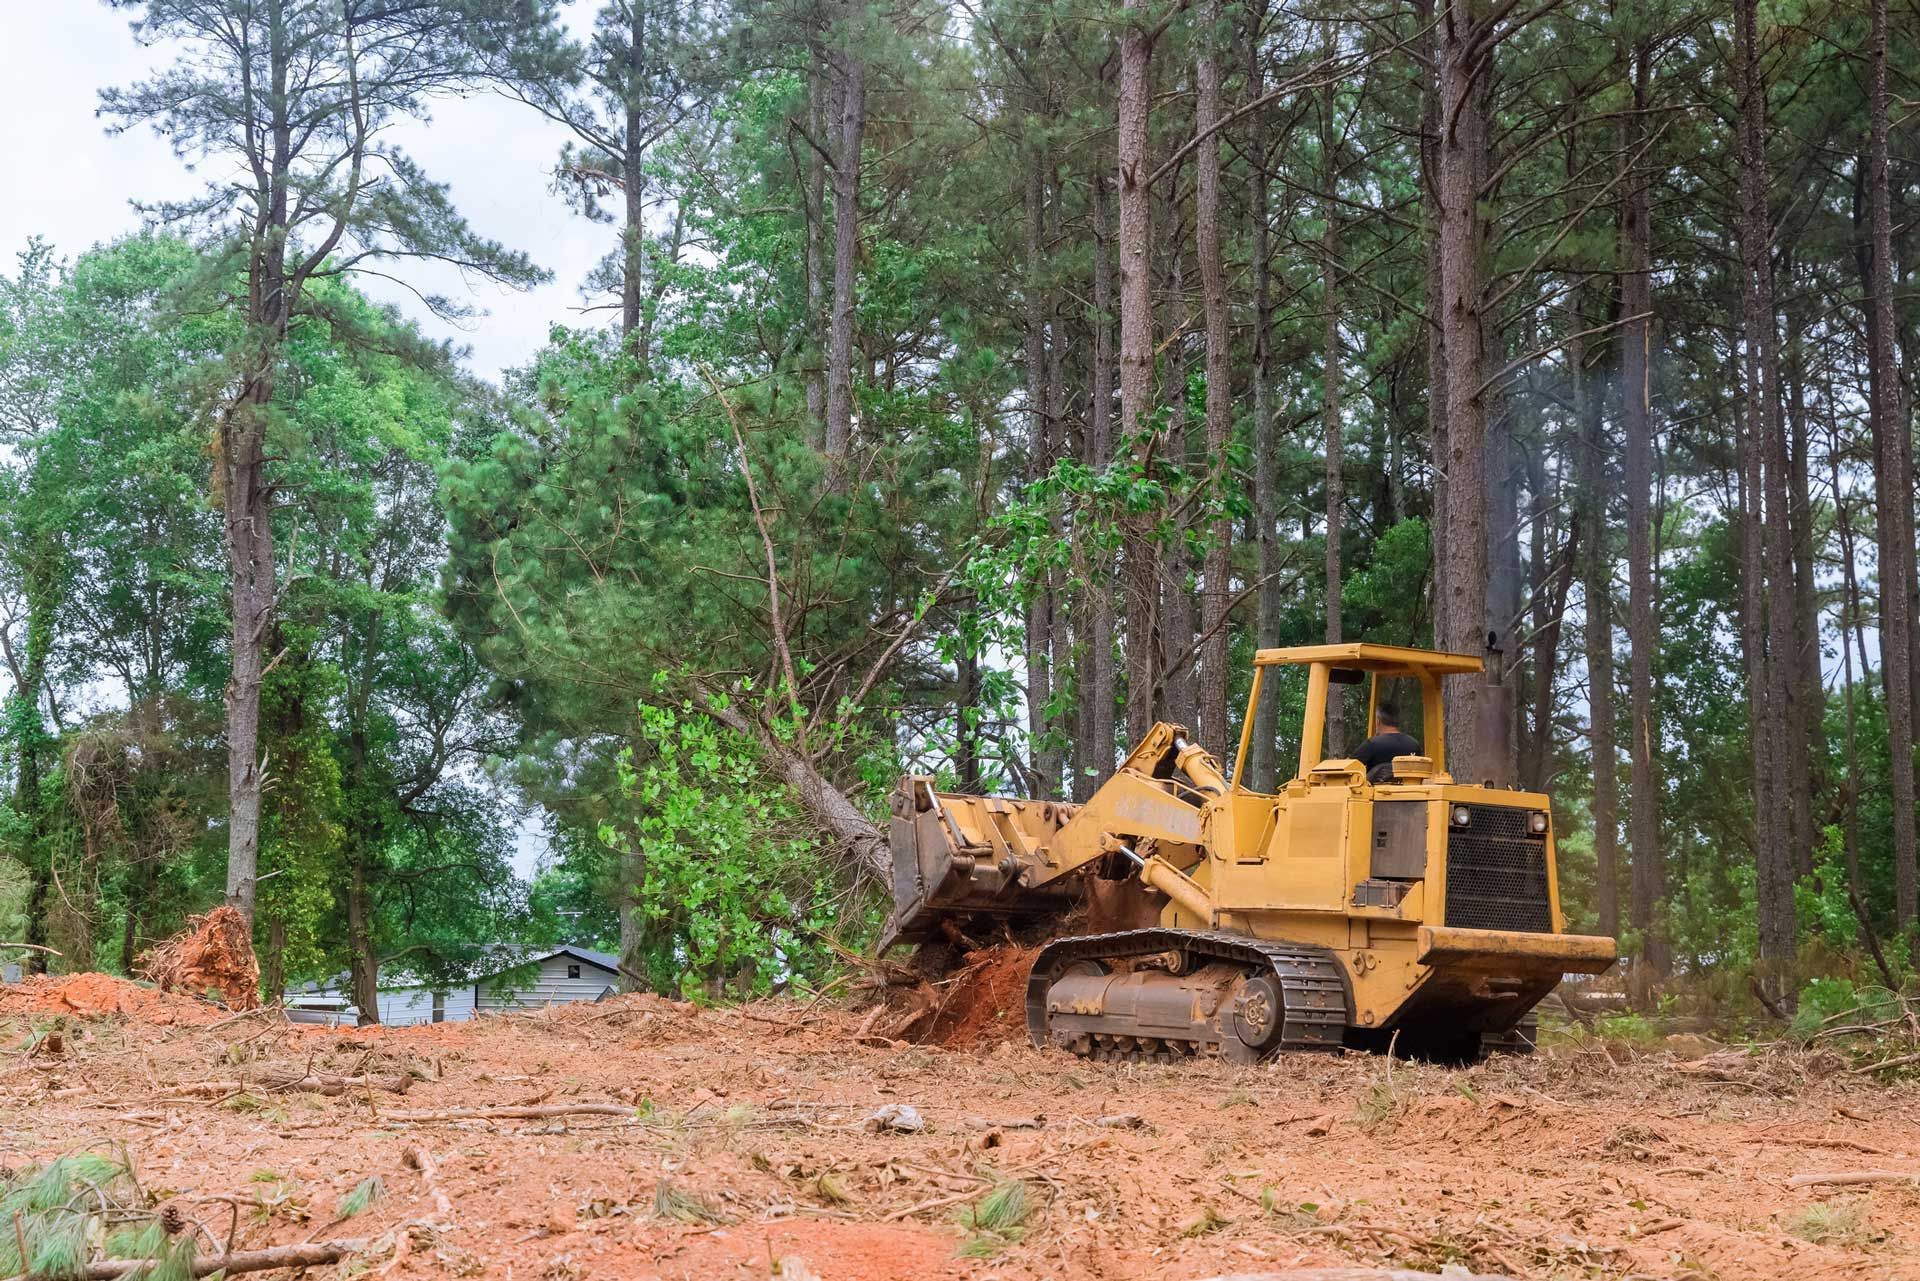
415 1005
550 987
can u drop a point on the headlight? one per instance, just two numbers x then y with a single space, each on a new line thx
1537 822
1462 816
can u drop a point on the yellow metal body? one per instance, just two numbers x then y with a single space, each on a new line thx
1329 859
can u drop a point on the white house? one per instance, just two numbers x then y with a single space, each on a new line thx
500 984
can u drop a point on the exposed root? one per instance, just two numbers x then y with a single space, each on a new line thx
214 953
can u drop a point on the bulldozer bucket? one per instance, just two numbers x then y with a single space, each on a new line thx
958 856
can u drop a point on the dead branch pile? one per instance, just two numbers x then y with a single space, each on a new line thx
214 953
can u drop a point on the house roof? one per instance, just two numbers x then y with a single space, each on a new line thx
605 960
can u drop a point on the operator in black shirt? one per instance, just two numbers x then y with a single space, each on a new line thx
1388 741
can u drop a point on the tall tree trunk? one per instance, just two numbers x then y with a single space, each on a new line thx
244 493
967 713
1330 420
1597 587
1552 585
1174 616
1850 625
1809 685
1775 759
851 127
1643 623
1893 495
814 197
139 890
1043 764
633 238
1139 549
1216 574
1261 769
363 962
1461 147
1430 183
42 581
1101 690
1056 755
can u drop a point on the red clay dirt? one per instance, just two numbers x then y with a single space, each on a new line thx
741 1149
100 994
985 1000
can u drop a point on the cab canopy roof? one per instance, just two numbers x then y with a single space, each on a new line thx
1381 660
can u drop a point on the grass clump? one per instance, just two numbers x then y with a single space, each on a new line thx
1833 1223
996 1221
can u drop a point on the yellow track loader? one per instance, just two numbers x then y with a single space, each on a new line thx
1408 909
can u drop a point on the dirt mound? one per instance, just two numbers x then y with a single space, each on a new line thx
985 1001
214 953
92 995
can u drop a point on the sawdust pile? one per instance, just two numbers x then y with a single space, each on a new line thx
213 954
90 995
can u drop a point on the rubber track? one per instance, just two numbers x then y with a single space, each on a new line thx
1318 1005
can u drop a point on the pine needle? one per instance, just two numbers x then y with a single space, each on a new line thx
670 1202
364 1194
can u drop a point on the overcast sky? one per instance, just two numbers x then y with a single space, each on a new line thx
68 181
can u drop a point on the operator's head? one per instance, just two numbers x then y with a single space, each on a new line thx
1386 718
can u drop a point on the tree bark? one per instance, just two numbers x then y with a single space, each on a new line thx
1218 569
1436 291
1139 551
41 582
1598 590
363 960
244 491
819 111
1261 768
1101 693
1773 602
1043 763
1330 420
1462 573
1809 685
1174 616
1893 488
1850 626
1643 624
846 245
633 238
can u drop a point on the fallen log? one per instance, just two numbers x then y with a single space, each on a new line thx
283 1082
540 1113
1852 1178
1360 1274
306 1254
422 1160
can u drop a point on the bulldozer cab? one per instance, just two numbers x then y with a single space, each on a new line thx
1383 671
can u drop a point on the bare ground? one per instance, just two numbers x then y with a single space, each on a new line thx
740 1149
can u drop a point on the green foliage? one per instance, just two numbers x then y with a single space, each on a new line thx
725 868
63 1211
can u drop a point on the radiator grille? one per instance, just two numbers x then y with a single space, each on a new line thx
1497 874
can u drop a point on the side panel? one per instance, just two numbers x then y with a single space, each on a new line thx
1399 847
